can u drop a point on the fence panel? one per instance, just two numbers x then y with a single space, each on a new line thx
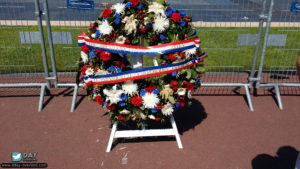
281 50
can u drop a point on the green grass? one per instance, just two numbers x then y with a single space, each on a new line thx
219 43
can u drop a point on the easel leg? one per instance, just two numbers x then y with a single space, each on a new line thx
176 132
111 138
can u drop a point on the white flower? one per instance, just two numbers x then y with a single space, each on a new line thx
156 8
124 111
84 57
105 28
168 109
129 87
150 100
130 24
119 7
93 35
121 39
190 52
113 95
89 71
161 23
181 91
189 94
151 117
101 72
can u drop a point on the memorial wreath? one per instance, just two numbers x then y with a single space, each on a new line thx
140 94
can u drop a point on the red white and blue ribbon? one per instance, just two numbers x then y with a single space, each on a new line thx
142 72
166 48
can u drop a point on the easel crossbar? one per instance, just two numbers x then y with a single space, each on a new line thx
145 133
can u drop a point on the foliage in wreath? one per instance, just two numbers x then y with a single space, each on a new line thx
151 98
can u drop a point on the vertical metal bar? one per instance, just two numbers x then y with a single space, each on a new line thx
176 132
249 97
278 97
260 28
39 21
41 102
111 138
74 98
49 32
263 52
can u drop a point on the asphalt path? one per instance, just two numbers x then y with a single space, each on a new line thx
200 10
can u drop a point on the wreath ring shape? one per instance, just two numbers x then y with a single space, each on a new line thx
145 94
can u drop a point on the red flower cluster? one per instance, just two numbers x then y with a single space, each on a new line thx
160 106
174 85
172 56
83 69
176 17
136 101
85 49
134 2
190 86
99 100
111 106
157 118
105 56
106 13
120 64
150 88
121 117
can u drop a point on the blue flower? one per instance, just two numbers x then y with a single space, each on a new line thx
177 105
139 6
117 21
118 70
92 54
103 19
117 15
123 96
174 74
111 68
128 4
105 104
97 33
182 23
154 110
198 80
142 92
182 13
162 37
122 104
169 13
155 91
149 25
173 10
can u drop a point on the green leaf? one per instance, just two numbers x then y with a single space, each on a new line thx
200 69
188 73
160 1
171 99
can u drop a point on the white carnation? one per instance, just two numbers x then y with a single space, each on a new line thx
119 7
129 87
84 57
105 28
151 117
93 35
168 109
113 95
161 23
124 111
156 8
150 100
121 39
181 91
89 71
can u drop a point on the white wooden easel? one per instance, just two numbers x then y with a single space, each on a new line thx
137 62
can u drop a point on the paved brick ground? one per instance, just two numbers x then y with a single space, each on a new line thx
218 132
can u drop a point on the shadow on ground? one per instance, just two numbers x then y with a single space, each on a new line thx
285 158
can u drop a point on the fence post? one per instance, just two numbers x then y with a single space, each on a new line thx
262 18
38 13
263 52
50 41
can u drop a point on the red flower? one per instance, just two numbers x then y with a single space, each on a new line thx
85 49
150 88
120 64
143 29
106 13
190 86
111 106
99 100
154 38
105 56
127 41
182 103
160 106
175 17
121 117
157 118
172 56
184 83
83 69
134 2
98 52
174 85
181 54
136 101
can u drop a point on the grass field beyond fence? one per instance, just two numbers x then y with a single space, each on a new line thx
219 43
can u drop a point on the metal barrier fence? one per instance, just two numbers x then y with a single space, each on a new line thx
232 33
